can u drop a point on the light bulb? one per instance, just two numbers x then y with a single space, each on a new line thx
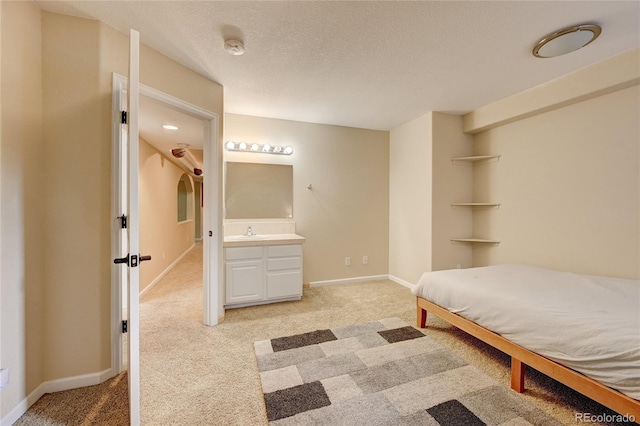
266 148
242 146
288 150
254 147
230 145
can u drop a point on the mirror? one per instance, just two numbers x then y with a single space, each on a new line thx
258 191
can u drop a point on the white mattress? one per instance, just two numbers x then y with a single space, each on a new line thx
587 323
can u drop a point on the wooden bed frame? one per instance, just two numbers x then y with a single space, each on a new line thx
521 357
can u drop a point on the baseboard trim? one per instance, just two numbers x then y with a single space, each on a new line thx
348 280
55 386
401 282
166 271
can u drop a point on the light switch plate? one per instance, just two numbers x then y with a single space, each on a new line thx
4 377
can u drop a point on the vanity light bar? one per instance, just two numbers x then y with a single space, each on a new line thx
254 147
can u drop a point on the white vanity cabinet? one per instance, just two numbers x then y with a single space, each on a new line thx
263 274
284 271
244 273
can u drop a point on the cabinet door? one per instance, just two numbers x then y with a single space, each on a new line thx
244 281
284 284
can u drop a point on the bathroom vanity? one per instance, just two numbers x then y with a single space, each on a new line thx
262 253
263 268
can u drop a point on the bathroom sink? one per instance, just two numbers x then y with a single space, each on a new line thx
246 237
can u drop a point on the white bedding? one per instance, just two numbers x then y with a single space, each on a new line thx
587 323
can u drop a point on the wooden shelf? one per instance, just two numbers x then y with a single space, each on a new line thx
475 158
471 240
488 205
475 241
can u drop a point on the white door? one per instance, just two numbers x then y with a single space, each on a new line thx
127 239
133 94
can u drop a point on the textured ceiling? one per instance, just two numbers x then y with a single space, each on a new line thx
367 64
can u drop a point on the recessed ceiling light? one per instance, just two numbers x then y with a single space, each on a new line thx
170 127
566 41
234 47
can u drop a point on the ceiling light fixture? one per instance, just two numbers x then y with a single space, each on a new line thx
566 41
234 47
170 127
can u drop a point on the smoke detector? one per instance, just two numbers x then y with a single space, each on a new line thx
234 47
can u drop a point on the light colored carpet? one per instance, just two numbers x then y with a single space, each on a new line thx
197 375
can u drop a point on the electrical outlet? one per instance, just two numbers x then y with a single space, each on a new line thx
347 261
365 260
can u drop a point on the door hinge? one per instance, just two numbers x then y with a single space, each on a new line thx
125 326
123 117
123 221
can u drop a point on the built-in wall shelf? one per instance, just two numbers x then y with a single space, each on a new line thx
475 158
472 205
475 241
475 206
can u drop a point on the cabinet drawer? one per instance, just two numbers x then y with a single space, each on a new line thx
284 251
240 253
284 284
284 263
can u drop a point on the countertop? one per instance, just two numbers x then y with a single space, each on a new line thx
262 240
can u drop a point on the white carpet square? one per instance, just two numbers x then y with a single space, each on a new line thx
281 378
340 387
263 347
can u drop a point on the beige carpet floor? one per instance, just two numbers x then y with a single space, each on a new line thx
197 375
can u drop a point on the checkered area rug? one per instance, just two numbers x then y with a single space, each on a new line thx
380 373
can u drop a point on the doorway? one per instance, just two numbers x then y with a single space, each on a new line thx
208 186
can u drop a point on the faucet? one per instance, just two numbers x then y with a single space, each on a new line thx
249 232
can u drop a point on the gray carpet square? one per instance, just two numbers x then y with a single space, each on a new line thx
358 329
401 334
332 366
453 413
300 340
274 360
382 373
298 399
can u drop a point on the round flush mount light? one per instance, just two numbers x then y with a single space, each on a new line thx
566 41
234 47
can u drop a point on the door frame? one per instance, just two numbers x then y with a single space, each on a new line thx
212 241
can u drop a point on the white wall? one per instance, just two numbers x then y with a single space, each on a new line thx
21 197
423 184
452 183
568 181
346 214
410 197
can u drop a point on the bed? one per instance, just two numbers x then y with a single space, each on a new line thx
583 331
